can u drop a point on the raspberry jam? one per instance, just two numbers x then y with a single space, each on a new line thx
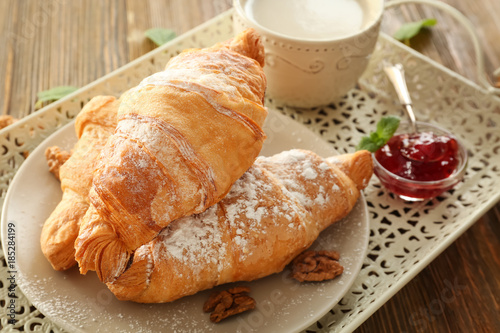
422 156
420 166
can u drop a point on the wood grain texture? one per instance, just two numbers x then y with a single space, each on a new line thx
65 42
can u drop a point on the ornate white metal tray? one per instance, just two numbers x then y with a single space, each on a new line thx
404 237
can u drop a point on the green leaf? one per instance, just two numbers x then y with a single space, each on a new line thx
53 94
367 144
160 36
411 29
386 127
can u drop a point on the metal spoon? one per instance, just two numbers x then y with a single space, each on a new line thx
396 75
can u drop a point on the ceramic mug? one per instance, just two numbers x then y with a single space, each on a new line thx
308 72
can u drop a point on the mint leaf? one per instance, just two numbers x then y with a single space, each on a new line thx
386 127
53 94
367 143
160 36
409 30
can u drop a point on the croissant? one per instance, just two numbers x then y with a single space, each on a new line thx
184 136
94 124
272 213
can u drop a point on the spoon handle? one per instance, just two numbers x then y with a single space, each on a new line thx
397 77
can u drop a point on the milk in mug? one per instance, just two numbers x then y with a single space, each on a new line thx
309 19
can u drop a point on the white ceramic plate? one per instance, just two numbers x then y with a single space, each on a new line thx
83 304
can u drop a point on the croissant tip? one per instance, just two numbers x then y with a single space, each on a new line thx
112 261
136 277
249 44
358 166
109 258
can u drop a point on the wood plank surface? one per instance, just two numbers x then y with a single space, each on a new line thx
62 42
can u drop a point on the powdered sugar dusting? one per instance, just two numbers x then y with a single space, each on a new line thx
301 170
309 173
215 80
244 196
246 208
271 198
254 205
213 85
193 240
324 166
145 133
289 156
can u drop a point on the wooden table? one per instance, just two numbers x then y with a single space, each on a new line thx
62 42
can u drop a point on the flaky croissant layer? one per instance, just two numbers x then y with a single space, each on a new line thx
184 136
93 125
271 214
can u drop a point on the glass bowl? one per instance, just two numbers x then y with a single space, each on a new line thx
415 190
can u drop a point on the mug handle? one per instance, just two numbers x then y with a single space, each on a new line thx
470 29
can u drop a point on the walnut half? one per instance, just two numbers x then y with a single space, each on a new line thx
55 158
6 120
229 302
316 266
